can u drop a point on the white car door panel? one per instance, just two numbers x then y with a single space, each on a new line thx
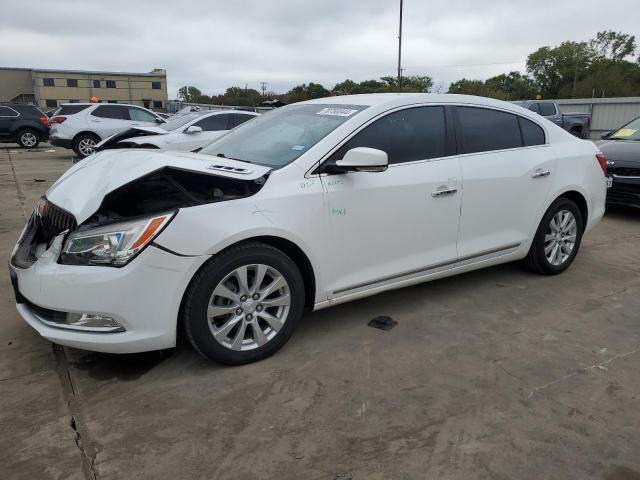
398 222
401 222
504 190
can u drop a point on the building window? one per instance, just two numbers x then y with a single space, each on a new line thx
47 82
111 84
157 104
51 103
72 82
145 103
156 85
112 101
96 84
74 101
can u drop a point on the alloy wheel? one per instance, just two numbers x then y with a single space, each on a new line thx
248 307
86 146
28 139
560 238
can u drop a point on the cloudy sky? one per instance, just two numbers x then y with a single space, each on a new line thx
215 44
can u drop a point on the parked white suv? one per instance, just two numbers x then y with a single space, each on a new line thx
181 133
80 126
311 205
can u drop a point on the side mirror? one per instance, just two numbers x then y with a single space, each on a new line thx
606 134
193 129
361 159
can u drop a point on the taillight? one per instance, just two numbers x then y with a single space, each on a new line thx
44 120
603 162
57 119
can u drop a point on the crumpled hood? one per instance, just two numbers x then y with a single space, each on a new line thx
130 133
80 189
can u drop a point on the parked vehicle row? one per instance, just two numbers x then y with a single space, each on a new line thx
23 124
311 205
577 124
180 133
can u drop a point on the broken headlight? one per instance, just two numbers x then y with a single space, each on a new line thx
113 244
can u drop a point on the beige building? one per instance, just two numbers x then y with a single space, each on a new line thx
49 88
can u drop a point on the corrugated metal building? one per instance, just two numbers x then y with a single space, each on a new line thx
606 113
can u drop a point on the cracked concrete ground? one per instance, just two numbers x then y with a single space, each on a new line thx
494 374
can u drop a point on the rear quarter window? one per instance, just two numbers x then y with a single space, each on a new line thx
532 134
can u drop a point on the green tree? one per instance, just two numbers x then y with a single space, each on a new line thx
188 94
511 86
613 45
307 92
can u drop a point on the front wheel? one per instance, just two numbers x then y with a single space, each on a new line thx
244 304
557 239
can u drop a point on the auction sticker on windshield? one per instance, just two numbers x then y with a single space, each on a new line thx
337 112
625 132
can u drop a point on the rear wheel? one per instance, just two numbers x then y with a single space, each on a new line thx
557 239
85 144
28 138
244 304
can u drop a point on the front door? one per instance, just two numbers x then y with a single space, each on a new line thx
401 223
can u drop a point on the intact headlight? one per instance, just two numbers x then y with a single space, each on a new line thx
114 244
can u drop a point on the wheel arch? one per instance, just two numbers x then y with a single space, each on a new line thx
579 199
83 132
290 249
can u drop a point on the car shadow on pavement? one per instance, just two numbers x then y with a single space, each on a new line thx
126 367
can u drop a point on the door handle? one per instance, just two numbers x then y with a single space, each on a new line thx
440 193
541 173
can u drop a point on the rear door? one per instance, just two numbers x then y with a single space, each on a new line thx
108 119
549 111
401 223
506 169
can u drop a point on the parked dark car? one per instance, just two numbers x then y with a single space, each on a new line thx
23 124
577 124
621 148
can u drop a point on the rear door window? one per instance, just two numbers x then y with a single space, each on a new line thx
214 123
238 118
70 109
547 109
7 112
406 135
484 130
115 112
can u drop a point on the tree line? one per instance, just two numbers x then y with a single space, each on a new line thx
603 66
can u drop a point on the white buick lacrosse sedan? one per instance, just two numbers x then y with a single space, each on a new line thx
308 206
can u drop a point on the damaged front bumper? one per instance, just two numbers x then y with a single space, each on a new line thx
143 298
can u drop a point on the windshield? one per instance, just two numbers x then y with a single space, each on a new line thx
280 136
179 120
631 131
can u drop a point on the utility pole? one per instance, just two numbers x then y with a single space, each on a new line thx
263 85
400 51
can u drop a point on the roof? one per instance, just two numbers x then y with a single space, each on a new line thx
88 72
399 99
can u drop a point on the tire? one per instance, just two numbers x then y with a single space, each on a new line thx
576 133
28 138
215 303
84 143
552 236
